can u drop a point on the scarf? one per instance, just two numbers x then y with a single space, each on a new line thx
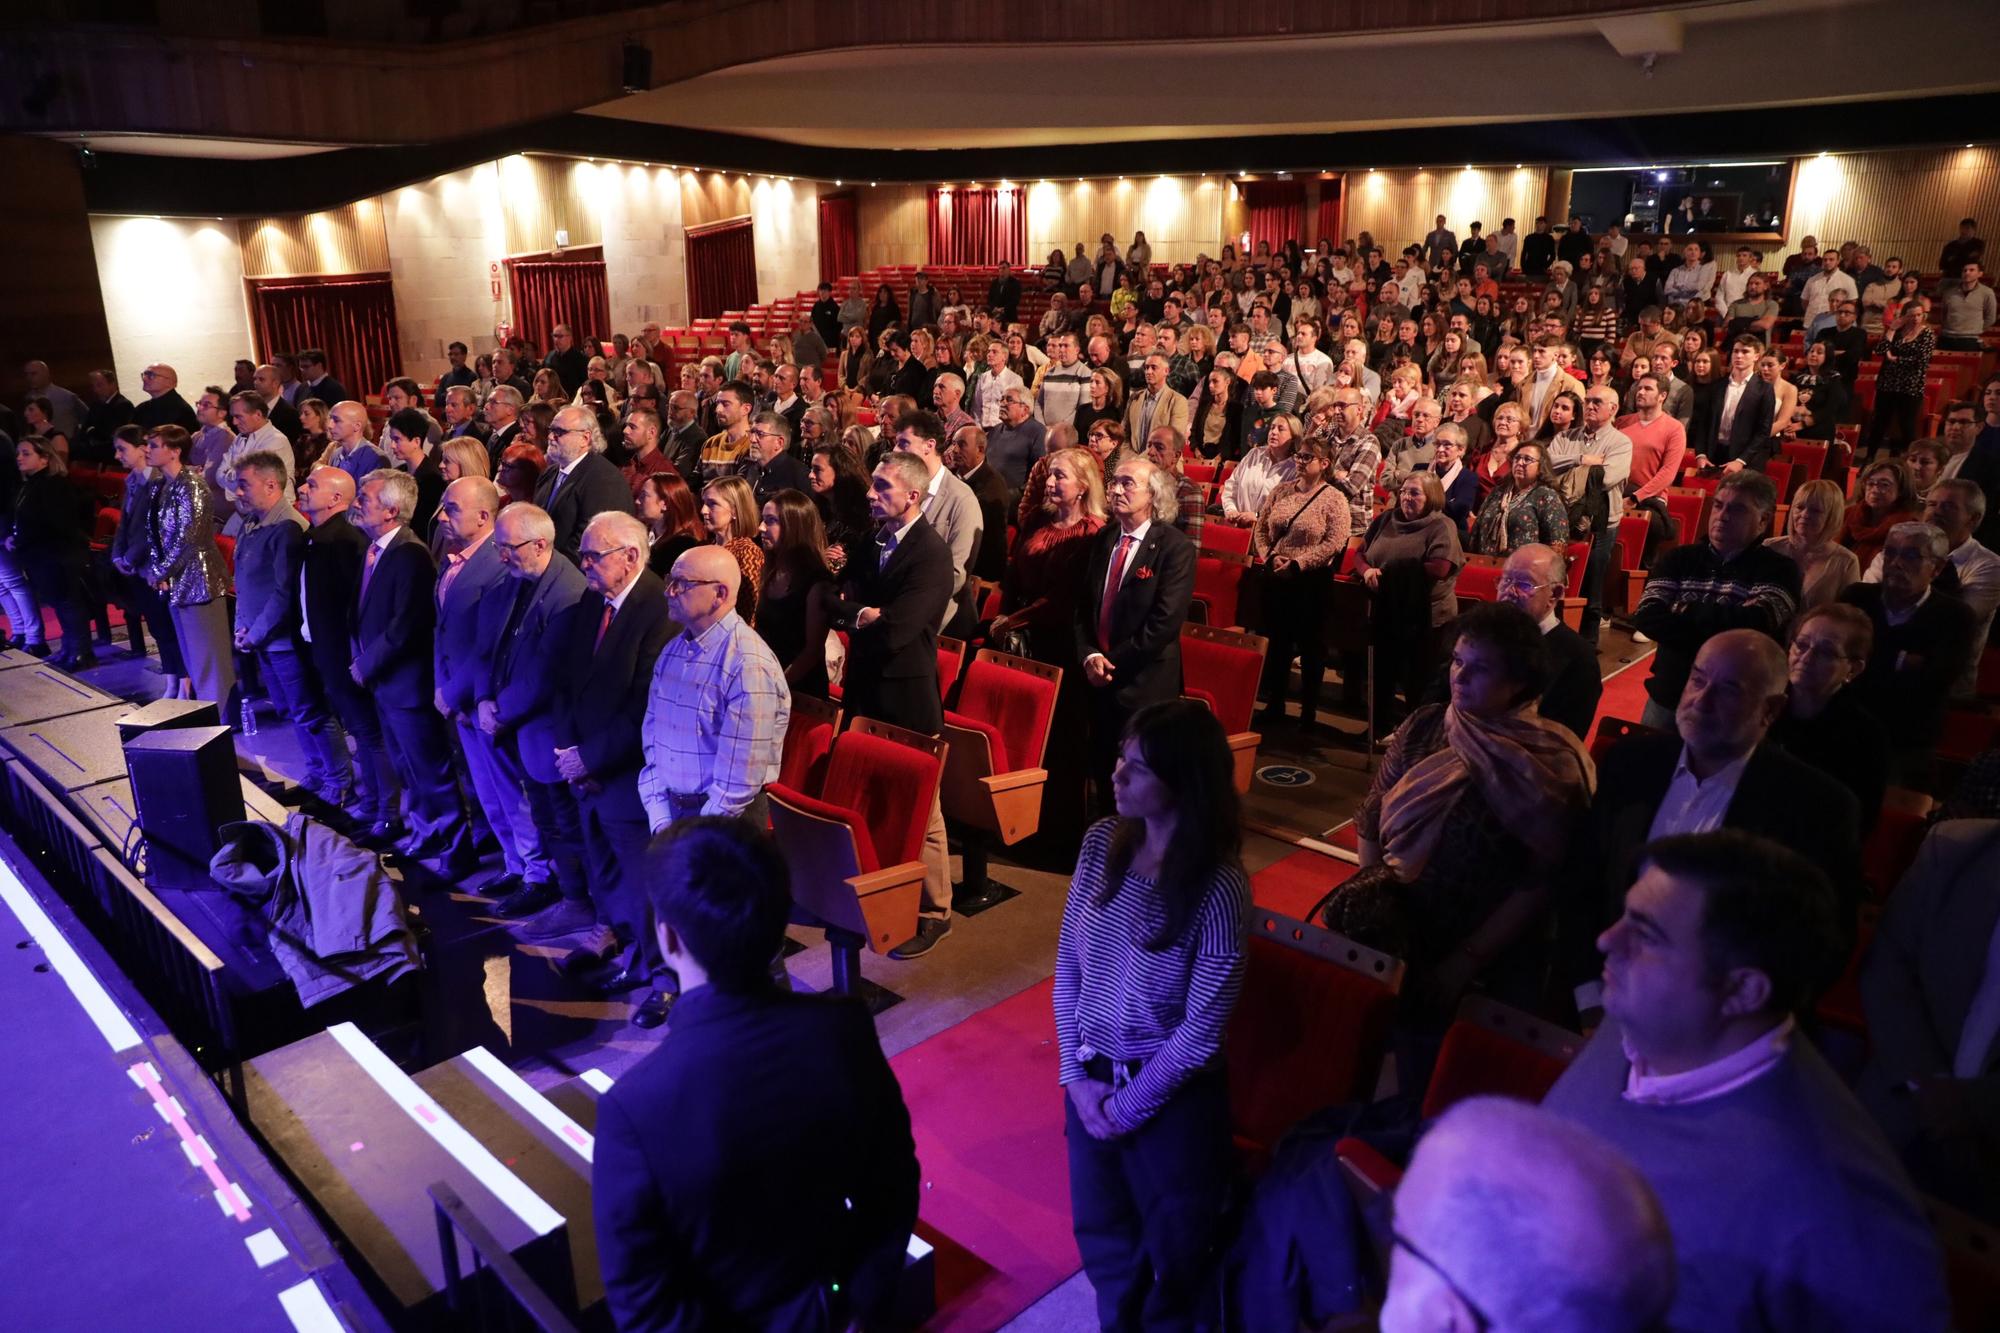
1533 772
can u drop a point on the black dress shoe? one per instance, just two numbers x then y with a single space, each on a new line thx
618 982
526 901
929 931
502 887
37 650
653 1010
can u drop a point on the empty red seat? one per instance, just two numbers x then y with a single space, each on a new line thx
1310 1027
1225 537
1494 1050
855 850
1479 580
998 736
1218 581
808 742
1222 668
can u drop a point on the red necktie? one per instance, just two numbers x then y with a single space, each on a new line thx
603 624
452 564
1111 582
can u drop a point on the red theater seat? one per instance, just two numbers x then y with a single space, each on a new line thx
1494 1050
1222 668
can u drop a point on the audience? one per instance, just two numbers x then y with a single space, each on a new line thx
1300 538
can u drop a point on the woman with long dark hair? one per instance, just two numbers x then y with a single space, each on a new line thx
673 521
791 615
883 313
840 493
1149 963
52 543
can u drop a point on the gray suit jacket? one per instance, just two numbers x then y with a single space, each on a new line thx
954 512
458 645
267 578
1923 970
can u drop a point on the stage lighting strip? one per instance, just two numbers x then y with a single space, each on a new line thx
541 1108
470 1153
228 1193
89 992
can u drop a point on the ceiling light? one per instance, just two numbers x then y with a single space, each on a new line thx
1517 166
837 184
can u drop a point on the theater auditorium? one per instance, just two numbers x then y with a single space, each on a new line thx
759 664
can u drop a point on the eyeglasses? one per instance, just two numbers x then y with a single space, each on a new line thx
558 432
593 557
677 586
515 546
1480 1320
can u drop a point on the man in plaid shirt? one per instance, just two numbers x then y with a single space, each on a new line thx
1164 449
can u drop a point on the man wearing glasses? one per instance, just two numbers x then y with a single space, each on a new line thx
607 645
1510 1218
1532 579
771 466
716 714
580 482
164 405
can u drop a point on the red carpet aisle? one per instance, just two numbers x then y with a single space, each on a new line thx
1624 694
1293 885
989 1119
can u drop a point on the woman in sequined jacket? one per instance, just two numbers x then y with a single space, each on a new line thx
184 563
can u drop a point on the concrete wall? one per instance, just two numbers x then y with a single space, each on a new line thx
173 291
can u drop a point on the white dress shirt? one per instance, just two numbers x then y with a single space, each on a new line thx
1696 805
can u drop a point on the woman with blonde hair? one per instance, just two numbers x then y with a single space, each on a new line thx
549 387
1496 465
1812 542
462 456
729 512
1038 594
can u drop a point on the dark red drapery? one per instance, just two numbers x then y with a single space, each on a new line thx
1275 212
971 226
569 290
839 246
721 269
1330 213
352 318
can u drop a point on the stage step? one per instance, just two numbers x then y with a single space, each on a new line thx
535 1138
366 1141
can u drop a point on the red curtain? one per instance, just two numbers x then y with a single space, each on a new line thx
353 319
1330 213
979 226
570 290
1276 209
839 248
721 269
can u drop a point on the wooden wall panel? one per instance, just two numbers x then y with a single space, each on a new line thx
1181 215
1398 207
892 222
1905 204
540 196
51 306
343 240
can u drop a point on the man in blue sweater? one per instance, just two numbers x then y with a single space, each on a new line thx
1788 1209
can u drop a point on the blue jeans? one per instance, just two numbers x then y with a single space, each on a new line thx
17 600
501 796
297 697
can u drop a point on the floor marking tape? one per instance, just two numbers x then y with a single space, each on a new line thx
534 1103
88 990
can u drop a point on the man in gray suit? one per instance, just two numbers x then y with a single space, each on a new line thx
949 505
269 552
517 697
473 597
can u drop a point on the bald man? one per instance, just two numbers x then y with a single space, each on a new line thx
269 385
164 405
330 571
1715 773
1510 1218
348 448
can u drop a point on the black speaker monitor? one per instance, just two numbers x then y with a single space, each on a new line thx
163 713
185 784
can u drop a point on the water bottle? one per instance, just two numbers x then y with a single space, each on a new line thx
249 727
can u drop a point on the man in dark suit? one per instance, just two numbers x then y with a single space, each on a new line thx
473 596
318 383
1532 579
1003 296
266 384
1138 586
570 362
796 1210
334 555
891 607
967 459
1717 772
684 435
394 620
1735 432
518 699
503 421
164 405
1923 644
580 482
608 643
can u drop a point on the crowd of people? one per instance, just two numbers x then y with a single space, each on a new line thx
560 604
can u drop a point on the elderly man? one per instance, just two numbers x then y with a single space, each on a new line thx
967 459
948 395
1594 443
1924 647
1531 579
270 557
1138 585
504 404
394 619
67 409
991 383
164 405
1788 1209
1713 770
516 711
474 598
1512 1218
579 482
1065 385
460 407
785 399
1355 451
608 643
1418 447
714 731
1013 446
683 436
1165 448
772 466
